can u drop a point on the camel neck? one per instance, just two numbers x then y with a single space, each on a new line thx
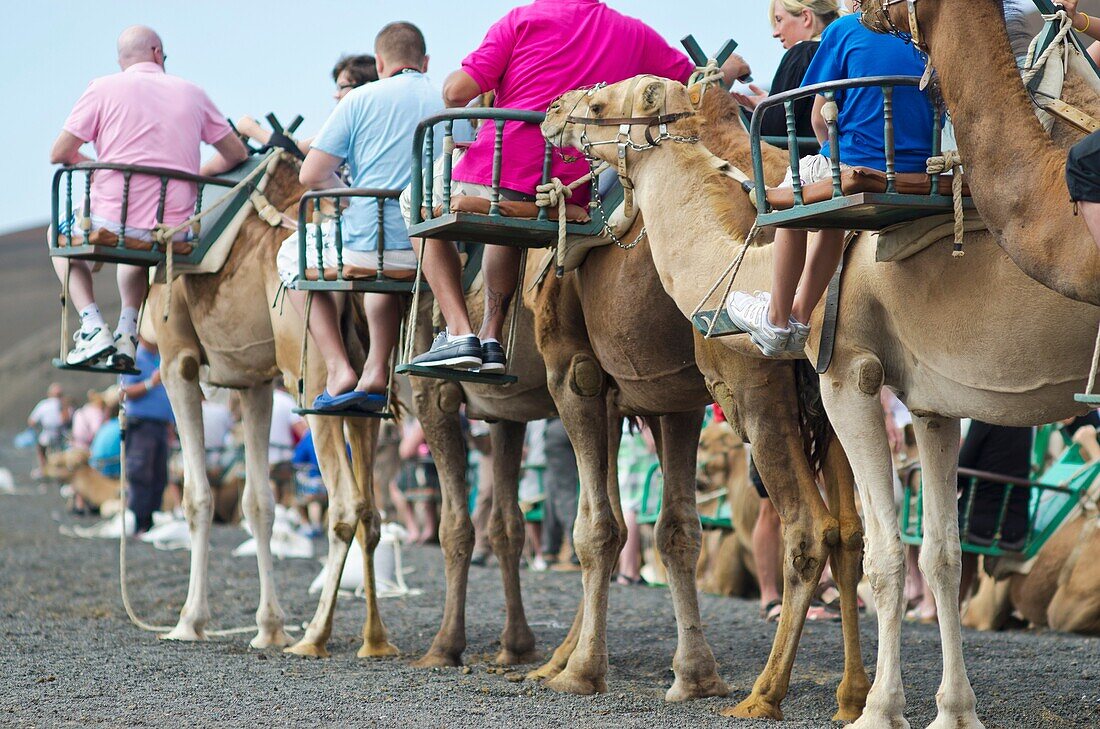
1016 174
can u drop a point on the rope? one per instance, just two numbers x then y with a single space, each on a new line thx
305 346
65 310
731 271
1095 365
707 76
950 161
552 195
1065 26
517 303
414 310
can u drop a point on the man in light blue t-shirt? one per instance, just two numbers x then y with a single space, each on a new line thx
372 130
778 322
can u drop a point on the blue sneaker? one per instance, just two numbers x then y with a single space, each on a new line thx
463 353
493 360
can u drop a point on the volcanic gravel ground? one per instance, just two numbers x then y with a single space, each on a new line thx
70 656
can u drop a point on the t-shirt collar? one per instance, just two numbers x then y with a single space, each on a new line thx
145 67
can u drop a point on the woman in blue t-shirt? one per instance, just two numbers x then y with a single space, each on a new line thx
778 322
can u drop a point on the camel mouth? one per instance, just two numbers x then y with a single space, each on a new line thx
876 17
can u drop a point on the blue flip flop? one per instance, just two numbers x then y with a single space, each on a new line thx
353 400
372 403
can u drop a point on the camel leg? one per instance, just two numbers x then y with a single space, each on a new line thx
596 538
363 437
941 563
259 506
679 538
198 503
328 440
851 694
456 530
506 530
857 417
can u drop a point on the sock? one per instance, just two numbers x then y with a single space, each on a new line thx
127 321
90 318
451 338
490 339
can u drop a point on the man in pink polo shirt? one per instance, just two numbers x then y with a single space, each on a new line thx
532 55
141 116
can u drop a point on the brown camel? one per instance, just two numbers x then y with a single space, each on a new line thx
219 321
508 409
595 328
1003 348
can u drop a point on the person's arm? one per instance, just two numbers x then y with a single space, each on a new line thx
138 390
734 68
459 89
252 129
750 102
319 170
66 150
817 119
1082 22
231 152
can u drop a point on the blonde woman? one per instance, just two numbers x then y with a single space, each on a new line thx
797 25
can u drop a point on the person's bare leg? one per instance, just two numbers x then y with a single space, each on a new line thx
81 292
790 257
501 267
765 548
132 284
383 321
821 263
324 327
404 510
630 559
1090 211
443 271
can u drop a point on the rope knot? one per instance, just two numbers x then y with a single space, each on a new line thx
552 194
707 76
951 162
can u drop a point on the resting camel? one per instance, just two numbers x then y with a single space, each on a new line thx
221 321
953 337
639 360
508 409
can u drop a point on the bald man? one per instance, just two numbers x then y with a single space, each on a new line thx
141 116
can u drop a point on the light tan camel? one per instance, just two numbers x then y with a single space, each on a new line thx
611 336
228 322
954 337
508 409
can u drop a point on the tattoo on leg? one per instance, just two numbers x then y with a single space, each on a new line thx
496 302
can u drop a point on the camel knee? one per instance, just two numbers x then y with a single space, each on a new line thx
941 559
370 520
885 569
596 540
188 366
678 533
505 530
585 375
198 503
456 537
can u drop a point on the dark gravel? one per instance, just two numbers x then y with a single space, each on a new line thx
69 656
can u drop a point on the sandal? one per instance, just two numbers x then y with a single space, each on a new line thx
770 612
626 581
821 611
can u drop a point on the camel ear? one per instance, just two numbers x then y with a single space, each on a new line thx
653 96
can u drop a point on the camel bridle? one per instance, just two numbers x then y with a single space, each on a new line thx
914 34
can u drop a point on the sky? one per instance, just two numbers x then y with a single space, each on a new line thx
274 56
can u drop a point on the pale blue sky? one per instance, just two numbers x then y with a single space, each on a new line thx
257 57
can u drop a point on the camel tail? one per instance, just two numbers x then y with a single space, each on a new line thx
817 431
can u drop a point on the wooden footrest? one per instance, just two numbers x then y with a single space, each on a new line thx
102 369
724 327
1093 399
441 373
380 414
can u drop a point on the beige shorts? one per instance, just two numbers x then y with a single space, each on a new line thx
287 260
458 187
811 168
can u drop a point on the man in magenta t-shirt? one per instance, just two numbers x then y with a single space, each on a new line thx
532 55
141 116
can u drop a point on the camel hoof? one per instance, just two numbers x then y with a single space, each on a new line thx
508 658
184 632
307 649
754 707
270 639
568 682
967 720
545 672
879 721
438 660
683 690
378 650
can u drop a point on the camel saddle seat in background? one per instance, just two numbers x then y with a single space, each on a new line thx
104 238
855 180
512 209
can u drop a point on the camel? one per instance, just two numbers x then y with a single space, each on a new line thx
953 337
508 409
638 361
220 321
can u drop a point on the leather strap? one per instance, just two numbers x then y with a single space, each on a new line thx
616 121
832 307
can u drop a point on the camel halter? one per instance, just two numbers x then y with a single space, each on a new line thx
913 36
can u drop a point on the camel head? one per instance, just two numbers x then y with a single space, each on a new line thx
903 18
632 115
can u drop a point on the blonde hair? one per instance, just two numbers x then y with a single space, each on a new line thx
826 11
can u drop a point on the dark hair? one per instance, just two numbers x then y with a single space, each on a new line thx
401 42
361 69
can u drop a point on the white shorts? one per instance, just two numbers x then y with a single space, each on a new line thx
287 260
458 187
72 229
811 168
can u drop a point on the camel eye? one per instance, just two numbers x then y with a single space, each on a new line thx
595 109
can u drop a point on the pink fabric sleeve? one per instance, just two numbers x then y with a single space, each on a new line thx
83 121
486 65
661 59
214 125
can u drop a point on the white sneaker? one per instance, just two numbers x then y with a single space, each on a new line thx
800 332
90 346
125 352
750 314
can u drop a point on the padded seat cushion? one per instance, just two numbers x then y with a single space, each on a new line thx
861 179
363 272
512 209
107 239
